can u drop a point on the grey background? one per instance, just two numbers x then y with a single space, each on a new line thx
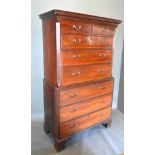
120 104
104 8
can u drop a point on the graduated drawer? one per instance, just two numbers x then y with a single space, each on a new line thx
73 95
77 125
86 57
104 29
84 107
86 42
79 74
75 27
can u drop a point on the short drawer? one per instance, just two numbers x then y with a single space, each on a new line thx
86 42
86 57
75 27
84 107
73 95
77 125
104 29
79 74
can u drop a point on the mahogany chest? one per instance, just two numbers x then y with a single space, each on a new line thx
78 82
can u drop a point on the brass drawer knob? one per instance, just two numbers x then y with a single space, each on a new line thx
76 73
76 57
101 113
72 125
73 110
100 70
76 27
102 87
103 41
108 30
101 100
101 55
78 41
104 29
73 95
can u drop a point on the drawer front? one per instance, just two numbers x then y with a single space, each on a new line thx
78 74
102 56
104 29
85 107
75 27
86 57
74 95
103 42
85 42
77 125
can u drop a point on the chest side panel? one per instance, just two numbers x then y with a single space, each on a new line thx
49 45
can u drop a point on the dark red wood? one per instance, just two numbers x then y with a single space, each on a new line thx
84 107
86 57
75 42
78 83
76 94
76 125
79 74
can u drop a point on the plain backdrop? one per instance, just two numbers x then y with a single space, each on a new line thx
15 60
103 8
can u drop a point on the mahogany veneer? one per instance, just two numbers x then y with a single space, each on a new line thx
78 82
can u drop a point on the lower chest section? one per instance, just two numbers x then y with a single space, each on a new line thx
71 110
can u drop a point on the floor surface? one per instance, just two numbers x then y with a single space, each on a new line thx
95 141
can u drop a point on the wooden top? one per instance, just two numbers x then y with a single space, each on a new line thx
54 13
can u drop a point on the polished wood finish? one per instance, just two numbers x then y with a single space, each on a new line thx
75 27
51 110
78 83
104 29
49 50
82 57
67 14
84 107
70 96
86 42
78 74
76 125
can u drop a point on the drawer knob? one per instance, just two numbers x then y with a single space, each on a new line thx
104 29
72 125
101 101
101 114
102 87
73 95
101 55
76 73
100 70
78 41
73 110
76 57
103 41
76 27
108 30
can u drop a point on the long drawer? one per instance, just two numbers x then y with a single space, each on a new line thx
77 125
86 42
85 107
79 74
73 95
86 57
